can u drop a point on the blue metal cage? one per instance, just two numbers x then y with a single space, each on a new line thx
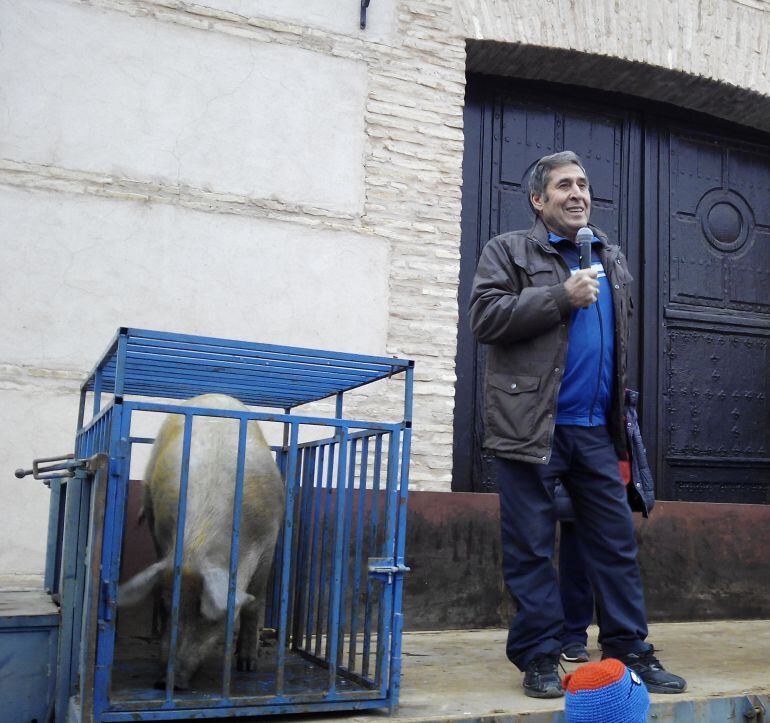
335 605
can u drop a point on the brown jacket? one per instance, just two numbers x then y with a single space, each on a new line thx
520 308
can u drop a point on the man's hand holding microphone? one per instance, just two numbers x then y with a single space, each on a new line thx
583 286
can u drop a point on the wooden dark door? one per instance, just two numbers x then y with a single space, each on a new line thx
691 210
507 131
713 240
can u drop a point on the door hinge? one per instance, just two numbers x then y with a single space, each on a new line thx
110 599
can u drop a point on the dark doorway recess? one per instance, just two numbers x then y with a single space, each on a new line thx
688 200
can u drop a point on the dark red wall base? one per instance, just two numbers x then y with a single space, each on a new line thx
699 562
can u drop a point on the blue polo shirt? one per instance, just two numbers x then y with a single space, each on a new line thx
586 389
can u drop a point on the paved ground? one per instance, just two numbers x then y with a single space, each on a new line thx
465 675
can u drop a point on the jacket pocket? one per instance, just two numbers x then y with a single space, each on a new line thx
510 405
538 272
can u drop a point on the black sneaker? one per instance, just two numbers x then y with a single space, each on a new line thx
541 677
575 653
654 676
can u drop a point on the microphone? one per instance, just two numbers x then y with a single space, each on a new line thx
584 238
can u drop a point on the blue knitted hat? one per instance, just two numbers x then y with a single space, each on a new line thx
605 692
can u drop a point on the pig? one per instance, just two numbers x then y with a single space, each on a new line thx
207 534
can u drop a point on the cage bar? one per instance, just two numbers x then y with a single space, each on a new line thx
335 599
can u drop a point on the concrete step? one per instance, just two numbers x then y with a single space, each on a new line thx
465 676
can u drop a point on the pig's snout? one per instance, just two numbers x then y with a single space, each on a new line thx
180 686
183 675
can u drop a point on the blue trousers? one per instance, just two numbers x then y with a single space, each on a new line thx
577 595
584 459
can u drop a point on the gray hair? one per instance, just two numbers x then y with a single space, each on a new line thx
538 178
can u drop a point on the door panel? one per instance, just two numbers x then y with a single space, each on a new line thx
715 304
700 259
525 130
518 130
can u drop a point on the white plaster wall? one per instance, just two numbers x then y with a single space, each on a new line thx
136 98
88 265
158 172
77 267
341 16
37 420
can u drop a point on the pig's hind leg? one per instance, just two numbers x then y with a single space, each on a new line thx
247 649
159 612
252 620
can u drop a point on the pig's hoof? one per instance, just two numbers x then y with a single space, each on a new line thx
246 665
268 636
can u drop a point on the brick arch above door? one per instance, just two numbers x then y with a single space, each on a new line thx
728 101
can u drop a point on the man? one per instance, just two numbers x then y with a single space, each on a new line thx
555 376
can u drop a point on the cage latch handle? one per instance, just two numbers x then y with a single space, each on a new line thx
62 467
382 568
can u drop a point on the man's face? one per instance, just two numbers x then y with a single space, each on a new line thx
566 204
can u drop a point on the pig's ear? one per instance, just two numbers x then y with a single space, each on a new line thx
140 585
214 596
